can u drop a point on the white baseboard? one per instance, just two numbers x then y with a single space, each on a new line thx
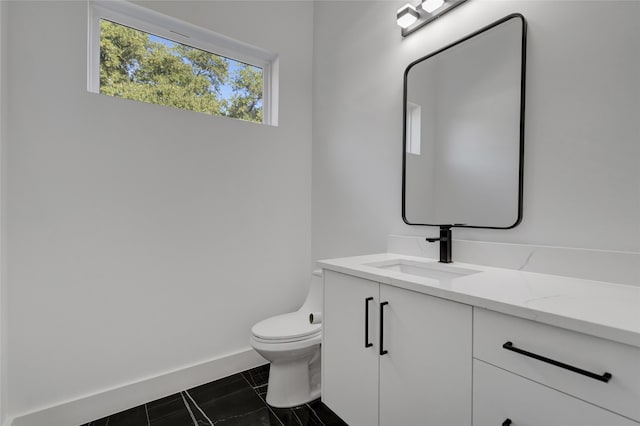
101 404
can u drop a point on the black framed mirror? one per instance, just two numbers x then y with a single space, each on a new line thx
463 133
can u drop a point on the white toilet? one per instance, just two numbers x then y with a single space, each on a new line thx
292 345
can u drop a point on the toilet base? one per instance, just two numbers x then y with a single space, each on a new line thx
294 383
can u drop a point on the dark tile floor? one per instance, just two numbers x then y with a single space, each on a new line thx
237 400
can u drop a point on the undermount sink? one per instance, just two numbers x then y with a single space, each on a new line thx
436 271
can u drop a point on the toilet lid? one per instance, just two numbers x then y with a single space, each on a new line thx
293 325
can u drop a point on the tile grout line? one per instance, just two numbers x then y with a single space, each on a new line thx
186 404
198 407
265 402
296 416
253 379
146 410
252 376
315 414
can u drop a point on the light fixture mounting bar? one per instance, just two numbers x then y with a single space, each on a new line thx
425 17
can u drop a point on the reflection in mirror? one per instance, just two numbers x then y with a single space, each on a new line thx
463 136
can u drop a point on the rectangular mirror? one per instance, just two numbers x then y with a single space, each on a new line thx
464 131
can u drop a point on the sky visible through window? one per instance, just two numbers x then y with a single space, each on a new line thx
144 67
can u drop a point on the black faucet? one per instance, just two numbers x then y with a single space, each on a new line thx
445 243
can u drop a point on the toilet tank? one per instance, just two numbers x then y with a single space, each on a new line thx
313 302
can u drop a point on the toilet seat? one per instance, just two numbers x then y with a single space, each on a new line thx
284 346
290 327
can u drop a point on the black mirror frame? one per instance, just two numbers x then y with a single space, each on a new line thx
522 105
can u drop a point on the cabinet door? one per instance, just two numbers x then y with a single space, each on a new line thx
349 368
425 378
499 395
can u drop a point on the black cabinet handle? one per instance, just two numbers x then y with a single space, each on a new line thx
367 343
601 377
507 422
382 351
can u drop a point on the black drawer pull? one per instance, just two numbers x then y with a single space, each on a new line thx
603 378
507 422
367 343
382 351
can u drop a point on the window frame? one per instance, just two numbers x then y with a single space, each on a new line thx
158 24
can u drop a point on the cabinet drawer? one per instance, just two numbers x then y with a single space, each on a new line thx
499 395
620 394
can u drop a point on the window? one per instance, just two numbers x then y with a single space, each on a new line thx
414 118
139 54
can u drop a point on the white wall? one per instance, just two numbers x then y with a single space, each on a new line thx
582 157
143 238
3 281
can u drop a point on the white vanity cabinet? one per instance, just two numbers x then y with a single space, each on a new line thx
405 346
394 357
536 374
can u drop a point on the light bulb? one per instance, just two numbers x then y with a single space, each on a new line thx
431 5
406 15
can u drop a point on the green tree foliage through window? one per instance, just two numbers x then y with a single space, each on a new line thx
139 66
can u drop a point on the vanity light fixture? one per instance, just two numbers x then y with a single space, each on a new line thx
406 15
411 19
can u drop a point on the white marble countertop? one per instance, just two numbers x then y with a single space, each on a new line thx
610 311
